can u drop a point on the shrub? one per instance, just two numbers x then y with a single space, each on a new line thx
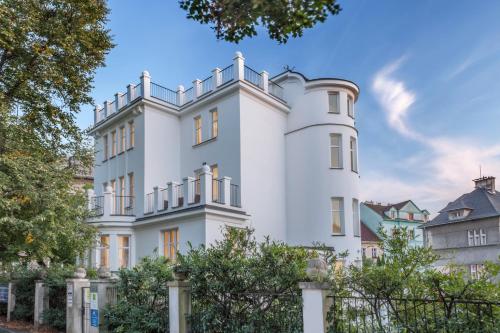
25 292
239 285
142 302
55 315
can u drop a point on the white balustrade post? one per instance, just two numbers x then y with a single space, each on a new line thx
96 114
145 84
179 306
216 77
196 88
180 95
41 302
117 102
239 66
108 202
130 87
315 306
226 190
206 183
188 190
170 195
155 199
107 109
265 81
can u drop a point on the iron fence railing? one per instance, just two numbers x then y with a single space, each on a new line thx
207 85
227 74
149 205
252 76
112 107
101 115
163 93
122 100
188 95
361 314
275 89
164 199
136 91
217 188
123 205
235 196
97 206
112 295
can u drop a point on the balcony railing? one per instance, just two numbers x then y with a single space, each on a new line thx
188 95
227 74
123 205
207 85
122 100
177 195
163 199
194 192
253 77
235 196
97 206
217 190
275 89
136 91
163 93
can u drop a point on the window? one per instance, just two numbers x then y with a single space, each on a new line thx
215 123
104 251
470 237
374 252
355 217
131 134
482 234
336 151
122 194
215 188
363 252
197 130
131 187
411 234
476 237
105 146
122 139
170 243
123 251
113 143
333 102
393 215
410 216
475 270
350 107
337 215
354 155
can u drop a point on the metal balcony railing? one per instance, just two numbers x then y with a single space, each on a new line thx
163 199
97 206
207 85
149 205
235 196
227 74
123 205
163 93
217 188
275 89
253 77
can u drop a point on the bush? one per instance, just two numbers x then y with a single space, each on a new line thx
55 315
25 292
239 285
142 302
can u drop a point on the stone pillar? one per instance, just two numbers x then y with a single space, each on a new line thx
170 195
216 77
226 190
41 302
265 81
179 304
101 297
107 108
145 84
196 88
96 114
74 301
11 299
155 199
180 95
129 92
188 190
206 185
108 202
239 66
173 194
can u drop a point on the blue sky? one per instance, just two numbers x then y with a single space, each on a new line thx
429 74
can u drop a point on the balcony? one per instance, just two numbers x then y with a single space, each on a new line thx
180 97
111 204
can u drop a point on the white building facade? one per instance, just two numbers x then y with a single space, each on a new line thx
237 149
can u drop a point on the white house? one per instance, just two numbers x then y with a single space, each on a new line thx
236 149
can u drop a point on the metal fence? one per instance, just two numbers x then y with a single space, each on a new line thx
149 207
123 205
227 74
164 199
217 189
163 93
357 314
235 196
207 85
97 206
275 89
253 77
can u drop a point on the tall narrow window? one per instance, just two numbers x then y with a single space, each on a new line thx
123 251
197 130
215 123
336 150
337 215
350 107
354 155
104 251
410 216
482 233
112 183
374 252
123 139
122 194
470 237
170 243
333 102
131 134
105 147
113 143
355 217
131 185
476 237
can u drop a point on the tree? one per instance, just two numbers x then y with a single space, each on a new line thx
49 51
233 20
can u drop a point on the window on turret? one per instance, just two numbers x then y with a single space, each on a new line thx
337 211
333 102
350 107
336 150
354 155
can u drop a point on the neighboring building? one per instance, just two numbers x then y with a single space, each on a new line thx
370 243
467 231
281 156
84 177
392 217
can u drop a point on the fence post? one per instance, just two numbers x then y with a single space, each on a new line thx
265 81
226 190
187 190
179 304
11 299
206 184
108 208
145 84
41 302
216 77
74 301
180 95
239 66
196 88
155 199
99 290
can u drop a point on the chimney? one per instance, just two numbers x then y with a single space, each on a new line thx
487 183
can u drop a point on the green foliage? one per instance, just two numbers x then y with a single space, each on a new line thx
55 280
240 285
25 292
142 304
233 20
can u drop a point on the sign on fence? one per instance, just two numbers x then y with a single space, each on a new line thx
69 294
94 307
4 294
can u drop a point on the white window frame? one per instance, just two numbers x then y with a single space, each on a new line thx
336 109
105 144
336 149
476 238
355 218
374 252
354 153
198 137
123 139
131 134
124 248
482 235
106 250
113 143
350 106
340 213
470 237
167 246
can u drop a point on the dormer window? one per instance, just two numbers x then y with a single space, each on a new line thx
393 215
458 214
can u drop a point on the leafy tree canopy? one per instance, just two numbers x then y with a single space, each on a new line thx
233 20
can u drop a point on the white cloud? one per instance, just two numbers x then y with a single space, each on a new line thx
444 168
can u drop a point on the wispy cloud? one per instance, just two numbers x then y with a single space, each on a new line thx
443 169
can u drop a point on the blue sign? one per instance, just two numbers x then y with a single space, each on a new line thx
4 294
94 318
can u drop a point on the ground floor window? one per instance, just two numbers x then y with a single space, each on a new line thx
124 251
104 251
171 243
